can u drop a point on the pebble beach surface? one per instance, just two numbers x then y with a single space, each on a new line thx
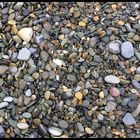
69 69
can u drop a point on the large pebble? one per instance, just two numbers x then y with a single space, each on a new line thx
22 126
3 104
3 69
114 92
136 84
26 34
114 47
138 70
27 115
2 132
127 50
55 131
128 119
71 77
24 54
112 79
44 56
42 130
63 124
136 112
28 92
8 99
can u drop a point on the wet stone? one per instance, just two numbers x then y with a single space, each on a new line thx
71 77
2 132
136 84
114 47
63 124
3 104
55 131
128 119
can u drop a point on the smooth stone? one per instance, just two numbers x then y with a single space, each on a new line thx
63 124
138 70
27 115
112 79
80 127
36 112
100 117
37 121
22 126
2 132
8 99
18 5
136 112
39 39
42 130
3 69
47 95
28 92
1 81
128 119
114 92
136 84
51 74
55 131
111 106
89 130
25 34
13 123
24 54
61 106
125 101
133 96
137 53
20 100
45 75
137 77
44 56
127 50
71 77
132 104
114 47
28 78
4 104
91 52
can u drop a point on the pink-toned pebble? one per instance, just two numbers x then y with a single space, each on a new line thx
114 92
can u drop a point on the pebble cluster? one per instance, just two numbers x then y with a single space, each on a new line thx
70 70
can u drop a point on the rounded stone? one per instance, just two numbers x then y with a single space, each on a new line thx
55 131
114 47
112 79
114 92
63 124
22 126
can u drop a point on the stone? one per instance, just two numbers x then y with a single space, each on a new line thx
22 126
37 121
137 77
114 92
80 127
132 104
112 79
89 130
42 130
114 47
91 52
47 95
36 112
39 39
28 92
136 84
20 100
27 115
80 4
44 56
71 77
25 34
2 132
18 5
3 69
127 50
128 119
24 54
138 70
79 95
110 106
133 96
136 112
55 131
3 104
101 95
8 99
1 81
100 117
63 124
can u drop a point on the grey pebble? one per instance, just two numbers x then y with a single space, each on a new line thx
42 130
44 56
28 78
71 77
36 112
138 70
114 47
3 104
27 115
28 92
55 131
128 119
63 124
80 127
8 99
127 50
136 84
2 132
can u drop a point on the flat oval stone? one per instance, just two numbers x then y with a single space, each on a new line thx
22 126
28 92
112 79
55 131
127 50
114 47
3 69
3 104
136 84
8 99
128 119
71 77
27 115
114 92
63 124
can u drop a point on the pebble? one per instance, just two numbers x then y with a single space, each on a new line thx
114 92
27 115
18 5
63 124
8 99
39 39
1 81
127 50
42 130
100 117
138 70
55 131
36 112
128 119
3 104
114 47
136 84
2 132
91 52
136 112
89 130
80 127
137 77
110 106
47 95
25 34
24 54
132 104
79 95
28 92
3 69
44 56
22 126
71 77
101 95
112 79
